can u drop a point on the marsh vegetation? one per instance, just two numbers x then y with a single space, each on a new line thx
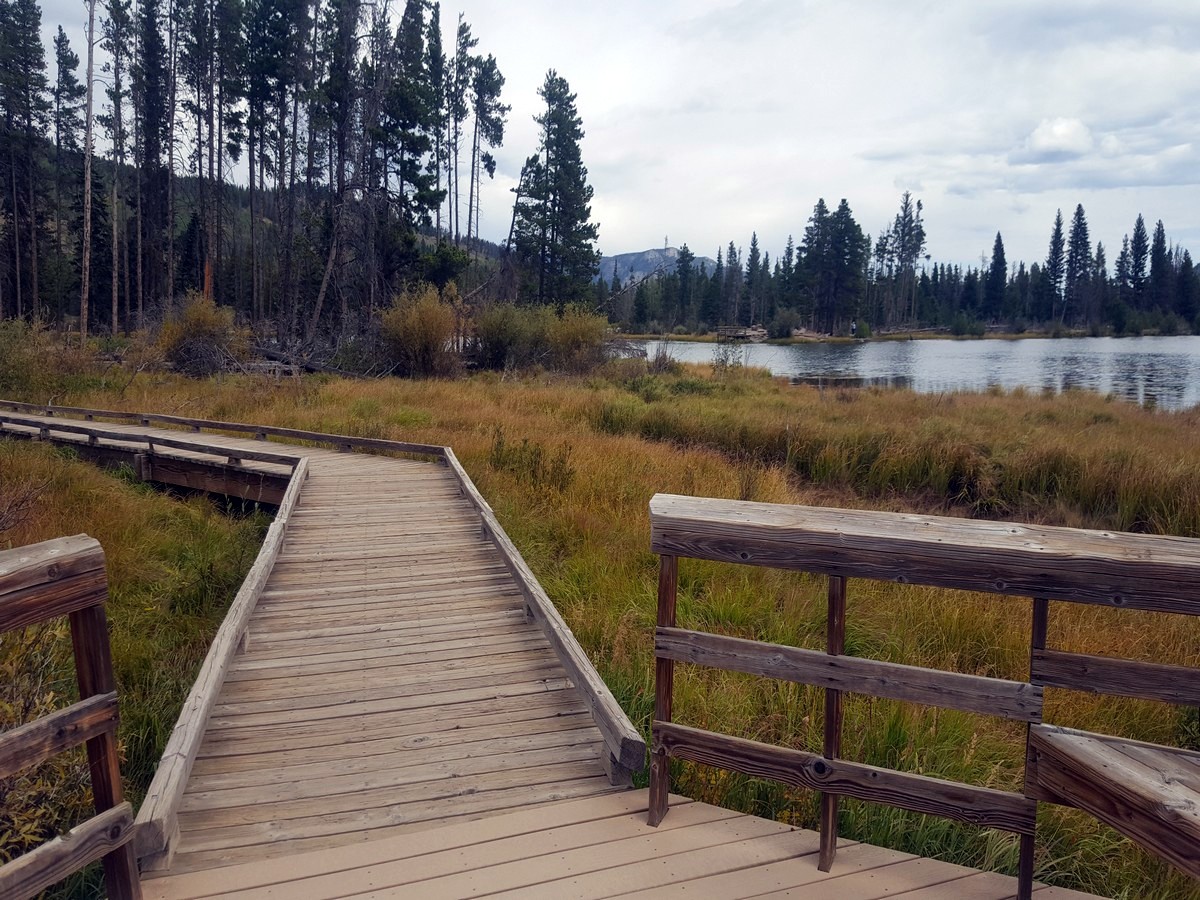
569 464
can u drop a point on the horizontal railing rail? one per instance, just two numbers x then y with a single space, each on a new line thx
66 577
258 432
1043 563
233 455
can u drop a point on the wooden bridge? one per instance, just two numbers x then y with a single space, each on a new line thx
393 707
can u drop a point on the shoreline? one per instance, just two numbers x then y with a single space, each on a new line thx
915 335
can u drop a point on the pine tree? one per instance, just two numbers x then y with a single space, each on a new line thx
459 81
85 265
1053 269
685 269
150 109
435 67
1099 290
835 252
1079 267
731 286
117 30
907 244
554 234
815 251
1161 274
1139 249
488 131
67 120
753 283
1187 292
997 280
24 114
1123 275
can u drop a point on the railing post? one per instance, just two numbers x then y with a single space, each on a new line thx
1041 625
835 645
93 671
664 682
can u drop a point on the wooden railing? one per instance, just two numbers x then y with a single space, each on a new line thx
1042 563
625 749
344 442
66 577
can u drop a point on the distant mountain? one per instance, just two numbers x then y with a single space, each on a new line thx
639 265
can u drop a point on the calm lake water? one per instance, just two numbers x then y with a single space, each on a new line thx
1164 371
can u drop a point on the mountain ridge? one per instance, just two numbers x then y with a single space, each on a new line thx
643 263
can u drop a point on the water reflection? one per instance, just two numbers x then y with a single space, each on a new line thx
854 381
1163 371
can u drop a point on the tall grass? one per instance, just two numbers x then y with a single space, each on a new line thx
173 567
627 433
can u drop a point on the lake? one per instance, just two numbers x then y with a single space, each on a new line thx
1161 371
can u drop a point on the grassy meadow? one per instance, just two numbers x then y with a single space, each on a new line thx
570 463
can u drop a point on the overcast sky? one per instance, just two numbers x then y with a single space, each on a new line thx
707 120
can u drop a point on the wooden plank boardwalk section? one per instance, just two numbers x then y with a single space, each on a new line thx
393 707
391 680
599 847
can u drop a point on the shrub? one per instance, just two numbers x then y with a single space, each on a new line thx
785 321
418 331
37 361
203 339
510 336
576 339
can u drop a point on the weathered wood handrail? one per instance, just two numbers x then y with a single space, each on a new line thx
39 583
1157 573
259 432
234 456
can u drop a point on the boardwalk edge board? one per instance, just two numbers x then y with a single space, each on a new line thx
156 820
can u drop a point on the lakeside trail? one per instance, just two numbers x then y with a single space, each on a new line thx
569 464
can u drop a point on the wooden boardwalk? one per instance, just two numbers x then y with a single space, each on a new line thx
391 680
399 719
600 847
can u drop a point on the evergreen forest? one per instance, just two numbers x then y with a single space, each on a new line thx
300 163
838 276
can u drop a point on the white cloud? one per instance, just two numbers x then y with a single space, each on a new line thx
1056 140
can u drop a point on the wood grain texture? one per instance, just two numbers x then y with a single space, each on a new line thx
94 675
95 432
156 817
51 579
931 687
338 440
1150 797
917 793
1118 677
29 875
835 645
664 687
1151 572
598 847
37 741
